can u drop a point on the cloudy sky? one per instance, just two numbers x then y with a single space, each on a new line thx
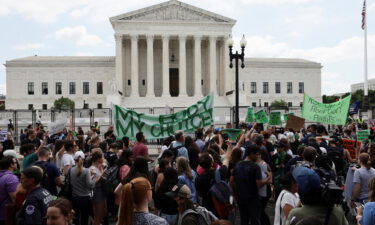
325 31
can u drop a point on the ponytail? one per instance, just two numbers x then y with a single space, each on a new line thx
133 193
61 152
364 159
79 166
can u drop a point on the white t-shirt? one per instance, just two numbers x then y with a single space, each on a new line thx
67 160
284 198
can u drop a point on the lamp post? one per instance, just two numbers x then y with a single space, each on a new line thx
237 56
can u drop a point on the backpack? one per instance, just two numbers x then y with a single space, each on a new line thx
204 216
66 189
336 155
221 194
44 182
175 150
110 180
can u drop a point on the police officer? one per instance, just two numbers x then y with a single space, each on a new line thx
34 208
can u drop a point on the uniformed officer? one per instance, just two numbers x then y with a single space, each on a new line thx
34 208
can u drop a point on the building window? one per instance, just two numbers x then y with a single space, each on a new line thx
44 106
44 88
86 88
253 87
254 104
100 106
85 105
265 87
129 82
30 106
277 88
99 88
72 88
30 88
301 87
290 104
289 88
58 88
265 104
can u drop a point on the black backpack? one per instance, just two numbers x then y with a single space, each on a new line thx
175 150
110 180
336 155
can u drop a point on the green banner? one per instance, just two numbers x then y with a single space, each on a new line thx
363 135
128 122
275 118
250 115
233 134
286 116
334 113
261 117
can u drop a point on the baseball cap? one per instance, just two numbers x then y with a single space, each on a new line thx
182 191
307 179
79 154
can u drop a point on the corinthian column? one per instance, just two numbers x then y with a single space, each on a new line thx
197 66
182 62
134 65
119 63
213 73
150 65
165 66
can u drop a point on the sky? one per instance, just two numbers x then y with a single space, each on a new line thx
324 31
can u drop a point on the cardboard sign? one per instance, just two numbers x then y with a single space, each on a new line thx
352 146
3 135
295 123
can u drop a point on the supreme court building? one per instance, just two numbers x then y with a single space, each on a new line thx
170 54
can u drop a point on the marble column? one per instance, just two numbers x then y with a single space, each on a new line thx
182 65
119 63
150 66
197 66
225 64
165 66
134 65
212 67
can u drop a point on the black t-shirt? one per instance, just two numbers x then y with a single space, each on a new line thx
203 183
52 172
245 175
166 204
8 144
35 142
34 209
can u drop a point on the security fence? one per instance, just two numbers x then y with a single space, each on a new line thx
86 117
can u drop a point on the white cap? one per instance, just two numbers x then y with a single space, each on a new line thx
79 154
10 152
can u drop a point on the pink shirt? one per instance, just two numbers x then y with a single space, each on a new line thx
140 150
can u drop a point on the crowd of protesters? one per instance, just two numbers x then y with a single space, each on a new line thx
77 177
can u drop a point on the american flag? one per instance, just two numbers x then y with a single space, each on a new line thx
364 15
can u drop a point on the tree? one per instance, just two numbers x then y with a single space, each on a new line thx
63 103
279 103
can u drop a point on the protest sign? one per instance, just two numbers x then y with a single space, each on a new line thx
128 122
295 123
261 117
363 135
3 135
351 146
275 118
57 126
334 113
250 117
233 134
286 116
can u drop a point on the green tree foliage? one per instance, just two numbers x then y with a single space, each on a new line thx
63 103
279 103
356 96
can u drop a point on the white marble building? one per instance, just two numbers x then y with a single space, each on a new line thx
167 54
360 86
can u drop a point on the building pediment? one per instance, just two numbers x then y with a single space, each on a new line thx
170 11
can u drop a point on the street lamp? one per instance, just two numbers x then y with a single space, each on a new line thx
237 57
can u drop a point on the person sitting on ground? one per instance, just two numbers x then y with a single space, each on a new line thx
137 194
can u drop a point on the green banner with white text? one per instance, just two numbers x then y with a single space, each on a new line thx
128 122
334 113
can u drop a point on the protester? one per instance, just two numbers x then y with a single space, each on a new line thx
34 208
140 149
199 139
8 184
51 174
178 147
279 161
8 143
365 215
193 152
60 212
361 178
29 155
134 204
67 160
203 182
187 176
82 184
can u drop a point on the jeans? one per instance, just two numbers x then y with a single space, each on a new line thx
82 206
250 211
171 219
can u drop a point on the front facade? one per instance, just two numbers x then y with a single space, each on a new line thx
168 54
